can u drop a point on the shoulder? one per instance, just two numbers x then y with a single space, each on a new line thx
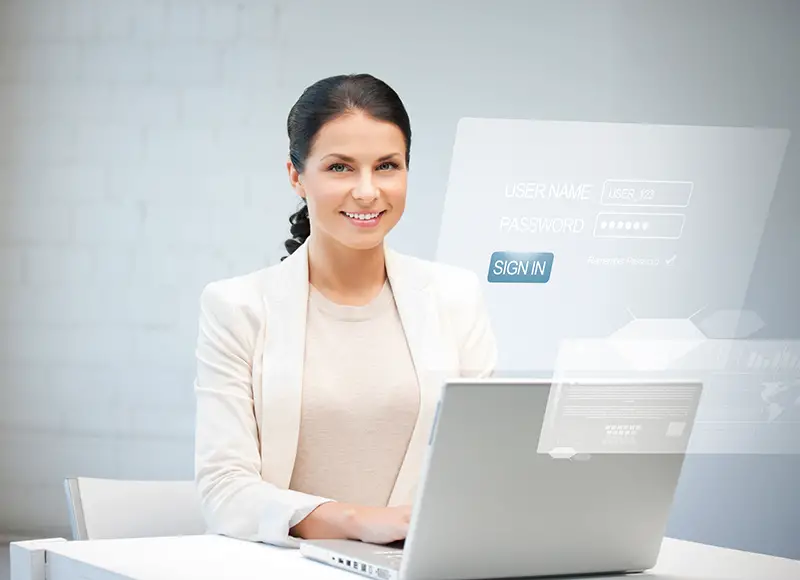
242 291
232 310
459 297
237 302
451 278
453 285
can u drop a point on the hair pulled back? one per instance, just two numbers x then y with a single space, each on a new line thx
324 101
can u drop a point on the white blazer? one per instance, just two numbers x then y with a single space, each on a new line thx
250 353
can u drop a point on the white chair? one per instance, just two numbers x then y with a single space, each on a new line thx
111 508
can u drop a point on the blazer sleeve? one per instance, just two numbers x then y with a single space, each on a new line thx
235 500
478 348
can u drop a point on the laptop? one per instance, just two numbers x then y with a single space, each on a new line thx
532 478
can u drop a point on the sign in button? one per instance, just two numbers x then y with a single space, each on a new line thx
520 267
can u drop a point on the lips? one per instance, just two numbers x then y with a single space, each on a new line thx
362 215
364 219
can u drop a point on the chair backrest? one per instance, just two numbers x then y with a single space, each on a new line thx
111 508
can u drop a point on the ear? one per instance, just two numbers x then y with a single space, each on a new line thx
294 179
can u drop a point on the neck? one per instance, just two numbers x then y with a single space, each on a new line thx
345 275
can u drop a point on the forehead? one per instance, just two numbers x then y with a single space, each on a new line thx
356 134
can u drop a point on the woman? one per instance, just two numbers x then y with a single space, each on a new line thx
318 377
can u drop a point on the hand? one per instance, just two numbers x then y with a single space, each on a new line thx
374 525
382 525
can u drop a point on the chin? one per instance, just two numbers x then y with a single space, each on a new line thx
367 242
361 238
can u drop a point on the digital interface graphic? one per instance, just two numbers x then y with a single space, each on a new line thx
750 400
625 251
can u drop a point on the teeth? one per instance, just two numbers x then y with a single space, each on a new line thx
362 216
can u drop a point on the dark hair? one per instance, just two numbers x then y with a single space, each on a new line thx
324 101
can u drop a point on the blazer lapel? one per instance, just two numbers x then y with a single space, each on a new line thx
286 304
416 303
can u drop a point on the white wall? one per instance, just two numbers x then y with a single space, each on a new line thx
138 161
142 146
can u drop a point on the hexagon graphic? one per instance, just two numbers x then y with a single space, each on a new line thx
656 343
731 324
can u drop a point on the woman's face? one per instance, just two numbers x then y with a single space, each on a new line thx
354 180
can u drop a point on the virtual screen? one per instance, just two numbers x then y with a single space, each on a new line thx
624 250
749 400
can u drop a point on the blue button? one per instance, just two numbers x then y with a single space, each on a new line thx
520 267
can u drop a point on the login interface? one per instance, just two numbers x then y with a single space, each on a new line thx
578 229
625 251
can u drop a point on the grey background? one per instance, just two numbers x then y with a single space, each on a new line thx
143 155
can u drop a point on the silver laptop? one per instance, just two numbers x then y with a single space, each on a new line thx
536 478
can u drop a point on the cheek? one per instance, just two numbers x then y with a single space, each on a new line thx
397 199
394 190
323 210
323 193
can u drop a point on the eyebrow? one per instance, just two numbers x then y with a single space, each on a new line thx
349 159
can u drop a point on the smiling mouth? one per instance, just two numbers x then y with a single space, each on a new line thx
364 216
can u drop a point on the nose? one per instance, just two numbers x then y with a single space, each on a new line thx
365 190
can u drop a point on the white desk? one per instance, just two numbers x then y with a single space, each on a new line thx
220 558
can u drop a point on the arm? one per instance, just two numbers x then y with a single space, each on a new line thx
376 525
330 520
478 350
236 501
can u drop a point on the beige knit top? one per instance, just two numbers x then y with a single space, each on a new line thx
360 401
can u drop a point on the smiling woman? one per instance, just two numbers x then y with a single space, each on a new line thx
318 378
349 150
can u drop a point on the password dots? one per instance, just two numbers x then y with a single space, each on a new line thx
624 225
641 226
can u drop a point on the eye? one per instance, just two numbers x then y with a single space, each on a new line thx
338 167
387 165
